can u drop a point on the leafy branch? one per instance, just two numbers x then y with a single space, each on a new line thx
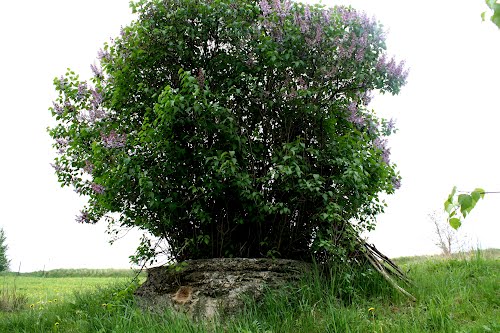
461 206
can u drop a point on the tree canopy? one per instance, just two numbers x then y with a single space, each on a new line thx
233 128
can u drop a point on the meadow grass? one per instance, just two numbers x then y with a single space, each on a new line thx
457 294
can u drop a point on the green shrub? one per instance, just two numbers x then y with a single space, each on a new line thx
233 128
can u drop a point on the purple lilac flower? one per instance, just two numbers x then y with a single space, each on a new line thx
319 34
62 83
381 62
396 182
359 55
82 90
353 108
103 54
342 52
99 113
361 43
351 49
96 98
390 125
365 97
57 108
348 15
307 13
356 119
265 7
277 5
381 144
89 167
91 115
113 140
96 70
62 144
299 21
282 9
97 188
391 66
354 116
57 167
394 71
326 16
400 73
84 217
288 6
366 22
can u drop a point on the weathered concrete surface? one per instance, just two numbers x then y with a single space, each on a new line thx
207 287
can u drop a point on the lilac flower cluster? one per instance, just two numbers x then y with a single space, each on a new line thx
350 16
265 7
62 83
97 188
281 9
390 125
113 140
396 182
95 112
89 167
347 14
352 45
62 145
58 109
96 98
366 97
301 22
82 90
96 70
103 54
84 217
57 167
393 70
354 116
381 144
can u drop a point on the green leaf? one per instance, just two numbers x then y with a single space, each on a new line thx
452 194
465 201
475 195
480 191
455 223
448 206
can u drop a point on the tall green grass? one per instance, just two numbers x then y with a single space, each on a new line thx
458 294
80 272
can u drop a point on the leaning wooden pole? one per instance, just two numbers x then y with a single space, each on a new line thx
386 267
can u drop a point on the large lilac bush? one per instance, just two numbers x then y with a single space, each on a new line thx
233 128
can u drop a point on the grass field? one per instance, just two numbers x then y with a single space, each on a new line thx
459 294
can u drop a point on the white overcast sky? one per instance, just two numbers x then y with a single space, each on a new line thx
448 118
